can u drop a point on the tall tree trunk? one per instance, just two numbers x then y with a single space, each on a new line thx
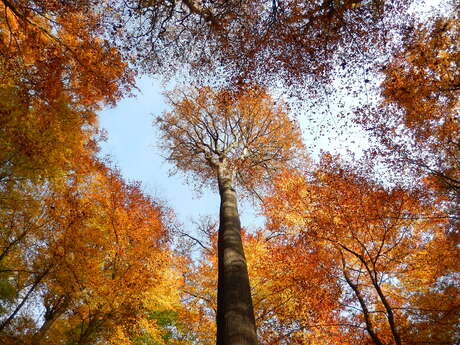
235 315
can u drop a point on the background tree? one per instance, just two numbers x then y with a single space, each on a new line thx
94 264
267 42
417 121
377 243
55 72
288 309
234 139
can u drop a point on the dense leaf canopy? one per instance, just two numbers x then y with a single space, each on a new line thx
356 249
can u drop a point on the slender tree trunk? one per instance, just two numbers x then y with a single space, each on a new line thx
362 303
390 315
235 315
36 282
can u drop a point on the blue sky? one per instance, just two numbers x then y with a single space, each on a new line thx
131 144
132 138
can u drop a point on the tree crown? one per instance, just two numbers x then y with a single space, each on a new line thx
209 132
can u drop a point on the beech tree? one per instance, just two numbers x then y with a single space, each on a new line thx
421 92
90 252
288 308
390 262
294 41
55 73
236 139
343 261
85 261
417 122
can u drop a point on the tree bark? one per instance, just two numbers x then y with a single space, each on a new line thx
362 303
235 315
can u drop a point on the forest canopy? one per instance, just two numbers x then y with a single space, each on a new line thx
358 247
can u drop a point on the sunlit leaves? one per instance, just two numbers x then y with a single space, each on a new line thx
268 42
382 249
99 259
54 74
249 133
418 119
84 256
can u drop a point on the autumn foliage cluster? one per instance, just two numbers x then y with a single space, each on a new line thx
357 248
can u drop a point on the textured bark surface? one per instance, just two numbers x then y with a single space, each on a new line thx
235 315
